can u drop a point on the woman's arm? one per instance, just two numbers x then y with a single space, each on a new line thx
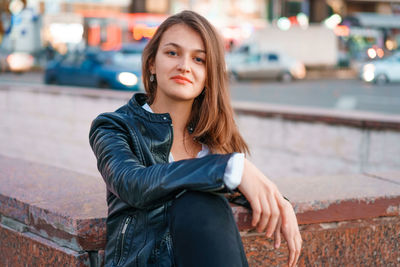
146 187
271 212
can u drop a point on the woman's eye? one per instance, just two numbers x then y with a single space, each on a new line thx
171 53
199 59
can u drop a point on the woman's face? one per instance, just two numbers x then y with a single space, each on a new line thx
180 64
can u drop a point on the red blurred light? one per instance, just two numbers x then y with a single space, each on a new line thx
293 20
141 31
380 52
341 30
114 38
94 35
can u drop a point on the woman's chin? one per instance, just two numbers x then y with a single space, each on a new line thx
184 95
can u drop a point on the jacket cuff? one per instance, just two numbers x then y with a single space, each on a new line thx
234 171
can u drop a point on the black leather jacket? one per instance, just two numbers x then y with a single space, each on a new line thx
132 147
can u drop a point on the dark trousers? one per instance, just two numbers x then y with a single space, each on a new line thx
204 232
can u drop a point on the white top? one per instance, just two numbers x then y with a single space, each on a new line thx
234 169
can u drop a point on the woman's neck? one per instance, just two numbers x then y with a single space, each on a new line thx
179 112
183 145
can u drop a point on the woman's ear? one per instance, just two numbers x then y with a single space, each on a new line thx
152 67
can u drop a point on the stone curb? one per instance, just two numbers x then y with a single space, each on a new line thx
66 207
69 224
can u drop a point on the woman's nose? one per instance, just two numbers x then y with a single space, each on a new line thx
183 65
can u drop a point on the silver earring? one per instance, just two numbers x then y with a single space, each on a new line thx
152 78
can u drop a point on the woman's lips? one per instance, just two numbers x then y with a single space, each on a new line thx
180 79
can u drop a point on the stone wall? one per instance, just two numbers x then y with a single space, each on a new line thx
340 171
50 125
55 217
289 141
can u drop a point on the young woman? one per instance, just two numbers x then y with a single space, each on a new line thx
168 156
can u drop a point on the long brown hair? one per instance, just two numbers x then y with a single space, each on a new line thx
212 114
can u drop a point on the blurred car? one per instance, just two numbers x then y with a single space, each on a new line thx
20 61
267 65
94 68
382 70
15 61
133 48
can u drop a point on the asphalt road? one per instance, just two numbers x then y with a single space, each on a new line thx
343 94
348 94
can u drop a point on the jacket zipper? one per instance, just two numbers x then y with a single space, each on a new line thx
171 131
126 223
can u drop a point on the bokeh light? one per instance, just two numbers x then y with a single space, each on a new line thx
283 23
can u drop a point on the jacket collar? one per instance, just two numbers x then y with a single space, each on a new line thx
136 103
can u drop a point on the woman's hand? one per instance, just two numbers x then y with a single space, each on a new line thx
262 195
288 225
271 212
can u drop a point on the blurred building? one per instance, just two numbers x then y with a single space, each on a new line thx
365 29
67 24
72 24
19 27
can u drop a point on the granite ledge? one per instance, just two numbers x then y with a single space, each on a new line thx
74 209
66 207
325 199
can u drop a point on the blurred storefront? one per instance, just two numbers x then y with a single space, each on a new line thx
69 24
19 36
61 25
109 30
365 29
371 35
109 23
369 29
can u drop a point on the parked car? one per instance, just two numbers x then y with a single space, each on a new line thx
111 69
267 65
15 61
20 61
382 70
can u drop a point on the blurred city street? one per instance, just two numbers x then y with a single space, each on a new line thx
315 86
348 94
331 93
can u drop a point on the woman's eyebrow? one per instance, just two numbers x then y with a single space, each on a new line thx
178 46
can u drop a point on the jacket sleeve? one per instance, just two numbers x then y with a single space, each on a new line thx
145 187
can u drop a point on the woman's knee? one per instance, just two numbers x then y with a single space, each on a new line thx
201 209
204 232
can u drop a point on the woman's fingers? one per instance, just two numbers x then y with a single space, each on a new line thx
277 236
291 233
292 251
260 192
298 243
274 216
265 212
271 212
256 209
